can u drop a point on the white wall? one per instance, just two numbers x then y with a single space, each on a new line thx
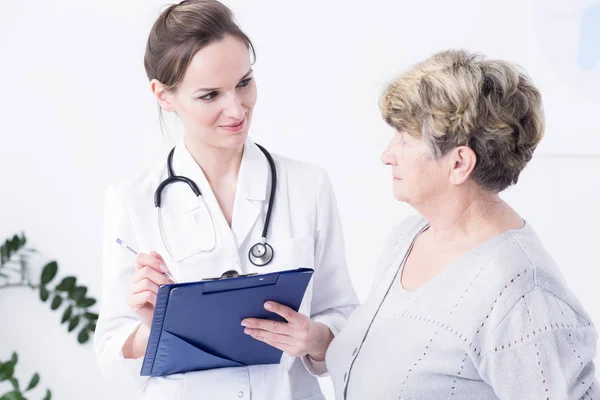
77 114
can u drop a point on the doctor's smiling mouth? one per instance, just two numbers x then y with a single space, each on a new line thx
236 126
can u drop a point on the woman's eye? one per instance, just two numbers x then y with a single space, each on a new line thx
209 96
245 82
212 95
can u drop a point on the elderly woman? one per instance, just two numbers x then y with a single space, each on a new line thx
467 303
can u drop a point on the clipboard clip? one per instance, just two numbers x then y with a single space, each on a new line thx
229 274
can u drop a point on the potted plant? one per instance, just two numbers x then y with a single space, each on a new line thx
66 295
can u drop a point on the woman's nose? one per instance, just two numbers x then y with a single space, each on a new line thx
234 108
388 157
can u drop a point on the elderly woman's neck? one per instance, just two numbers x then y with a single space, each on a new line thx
477 214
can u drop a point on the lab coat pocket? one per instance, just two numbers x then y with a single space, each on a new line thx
303 252
175 355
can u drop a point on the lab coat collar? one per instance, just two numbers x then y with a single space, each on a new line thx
252 186
254 175
251 192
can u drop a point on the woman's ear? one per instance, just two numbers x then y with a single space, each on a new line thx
162 95
461 162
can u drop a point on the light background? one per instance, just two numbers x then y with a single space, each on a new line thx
77 114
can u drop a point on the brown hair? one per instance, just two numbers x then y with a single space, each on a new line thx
181 31
456 98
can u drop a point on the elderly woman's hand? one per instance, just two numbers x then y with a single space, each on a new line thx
298 337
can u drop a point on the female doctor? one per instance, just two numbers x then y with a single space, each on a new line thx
255 213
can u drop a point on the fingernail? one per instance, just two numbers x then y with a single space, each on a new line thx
247 331
164 268
268 306
244 323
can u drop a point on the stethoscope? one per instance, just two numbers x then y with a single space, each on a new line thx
261 253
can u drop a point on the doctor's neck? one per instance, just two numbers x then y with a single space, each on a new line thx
216 163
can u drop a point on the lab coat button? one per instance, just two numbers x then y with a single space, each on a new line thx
240 394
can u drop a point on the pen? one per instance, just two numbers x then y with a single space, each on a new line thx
167 274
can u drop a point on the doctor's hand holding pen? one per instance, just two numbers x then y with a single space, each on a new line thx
150 273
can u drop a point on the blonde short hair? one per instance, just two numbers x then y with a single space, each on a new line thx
457 98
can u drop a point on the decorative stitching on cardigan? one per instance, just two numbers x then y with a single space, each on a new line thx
541 370
574 349
588 391
496 299
467 288
447 328
505 248
415 364
457 333
462 364
527 308
494 305
538 331
559 305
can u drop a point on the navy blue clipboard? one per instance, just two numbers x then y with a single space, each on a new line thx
197 325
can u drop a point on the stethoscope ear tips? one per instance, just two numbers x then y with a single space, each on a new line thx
260 254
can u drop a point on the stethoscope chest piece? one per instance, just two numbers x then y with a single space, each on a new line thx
261 254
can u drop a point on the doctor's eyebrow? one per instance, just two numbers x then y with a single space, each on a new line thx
216 89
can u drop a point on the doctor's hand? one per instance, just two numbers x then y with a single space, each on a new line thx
144 284
298 337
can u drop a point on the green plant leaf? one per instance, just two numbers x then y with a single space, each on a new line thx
83 336
66 314
66 284
49 272
35 379
56 302
6 371
3 275
14 358
86 302
16 243
48 395
92 326
91 316
11 246
74 322
14 395
44 293
15 383
78 293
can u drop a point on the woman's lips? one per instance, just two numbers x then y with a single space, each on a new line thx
236 127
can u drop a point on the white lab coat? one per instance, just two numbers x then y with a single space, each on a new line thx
305 231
